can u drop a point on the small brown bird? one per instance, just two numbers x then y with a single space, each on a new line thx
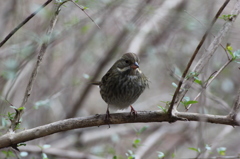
123 83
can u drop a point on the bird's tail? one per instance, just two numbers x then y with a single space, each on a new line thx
96 83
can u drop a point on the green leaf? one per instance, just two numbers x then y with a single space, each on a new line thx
24 154
84 8
192 74
186 98
186 101
229 50
41 103
160 154
44 156
227 17
130 152
197 80
46 146
195 149
174 85
236 54
207 147
222 151
163 109
13 107
114 157
136 143
21 144
142 129
21 108
190 102
8 153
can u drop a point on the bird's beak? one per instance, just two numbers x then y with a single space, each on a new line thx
135 65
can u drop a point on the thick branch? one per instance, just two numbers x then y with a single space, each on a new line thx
99 119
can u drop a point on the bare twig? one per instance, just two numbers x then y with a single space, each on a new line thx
23 23
211 33
44 46
99 119
210 80
84 11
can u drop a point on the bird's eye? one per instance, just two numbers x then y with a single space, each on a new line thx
127 61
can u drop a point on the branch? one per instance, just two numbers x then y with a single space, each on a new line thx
23 23
172 105
43 49
99 119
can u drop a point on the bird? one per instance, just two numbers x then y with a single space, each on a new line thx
123 83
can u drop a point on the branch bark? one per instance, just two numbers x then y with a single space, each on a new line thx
117 118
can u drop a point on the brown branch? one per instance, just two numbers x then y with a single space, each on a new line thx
43 49
99 119
172 105
23 23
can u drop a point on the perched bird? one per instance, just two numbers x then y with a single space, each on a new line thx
123 83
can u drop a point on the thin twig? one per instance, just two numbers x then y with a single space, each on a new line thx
210 81
172 105
44 46
23 23
84 11
210 33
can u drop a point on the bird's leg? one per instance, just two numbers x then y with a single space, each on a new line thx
133 112
107 116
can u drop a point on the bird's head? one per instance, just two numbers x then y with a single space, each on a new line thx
128 63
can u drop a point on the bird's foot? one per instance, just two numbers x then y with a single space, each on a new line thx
133 112
107 118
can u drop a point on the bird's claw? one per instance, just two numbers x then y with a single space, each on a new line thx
133 112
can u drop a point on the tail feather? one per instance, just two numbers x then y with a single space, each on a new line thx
96 83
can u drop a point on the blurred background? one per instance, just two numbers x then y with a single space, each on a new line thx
163 33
